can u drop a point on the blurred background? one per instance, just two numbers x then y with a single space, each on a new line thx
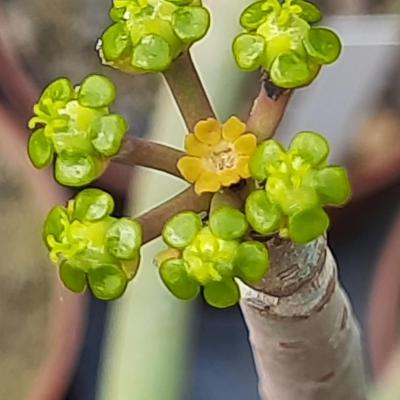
147 346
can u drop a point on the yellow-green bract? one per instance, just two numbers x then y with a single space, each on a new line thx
211 256
295 185
74 127
280 38
91 247
148 35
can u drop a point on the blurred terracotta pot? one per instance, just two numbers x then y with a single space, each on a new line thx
66 312
384 311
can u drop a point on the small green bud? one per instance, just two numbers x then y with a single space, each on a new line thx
174 274
333 186
73 278
181 229
252 261
222 294
228 223
115 41
267 153
76 129
278 37
191 23
59 90
308 225
40 149
89 244
96 91
108 282
124 238
309 11
75 169
263 216
152 54
311 146
248 50
55 224
93 205
148 36
254 15
290 70
107 133
323 45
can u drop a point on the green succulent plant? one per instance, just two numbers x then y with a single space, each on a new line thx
91 247
295 185
279 37
211 256
74 127
148 35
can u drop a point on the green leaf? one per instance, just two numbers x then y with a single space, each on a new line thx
59 90
124 238
181 229
253 16
55 224
252 261
75 169
308 225
92 205
311 146
263 216
266 154
108 282
228 223
96 91
40 149
290 70
222 294
248 50
323 45
191 23
175 277
73 278
310 12
333 185
152 54
115 41
107 133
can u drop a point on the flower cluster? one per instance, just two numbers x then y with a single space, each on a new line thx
296 185
148 35
77 129
210 256
217 155
91 247
279 38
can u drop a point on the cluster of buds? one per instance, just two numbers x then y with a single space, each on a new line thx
75 127
211 256
148 35
279 38
91 247
295 185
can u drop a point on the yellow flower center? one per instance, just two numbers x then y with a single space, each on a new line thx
222 157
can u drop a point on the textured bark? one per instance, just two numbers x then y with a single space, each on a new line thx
304 337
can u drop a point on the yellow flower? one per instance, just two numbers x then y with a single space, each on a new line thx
217 155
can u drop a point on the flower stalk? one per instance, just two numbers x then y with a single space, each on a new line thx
189 93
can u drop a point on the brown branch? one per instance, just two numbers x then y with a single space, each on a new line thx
144 153
188 91
154 220
266 114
